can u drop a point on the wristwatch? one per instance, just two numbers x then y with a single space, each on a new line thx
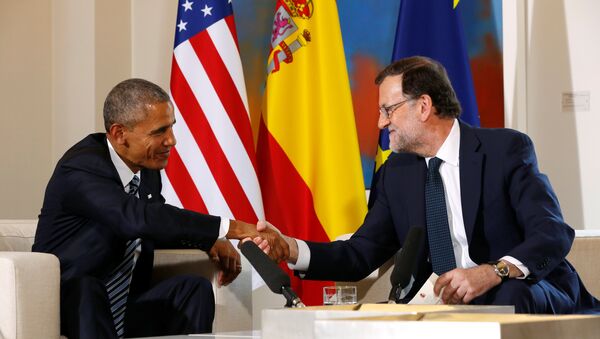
501 268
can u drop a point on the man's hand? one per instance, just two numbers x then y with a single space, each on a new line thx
275 246
227 258
289 246
461 286
279 247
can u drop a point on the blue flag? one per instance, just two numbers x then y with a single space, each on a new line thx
433 28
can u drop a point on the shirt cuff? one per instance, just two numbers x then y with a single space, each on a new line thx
224 228
303 257
519 265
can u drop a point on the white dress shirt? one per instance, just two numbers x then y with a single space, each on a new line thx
450 173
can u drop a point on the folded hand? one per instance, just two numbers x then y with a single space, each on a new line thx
227 258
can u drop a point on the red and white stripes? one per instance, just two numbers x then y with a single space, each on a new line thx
213 167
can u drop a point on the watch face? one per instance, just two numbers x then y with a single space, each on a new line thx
502 269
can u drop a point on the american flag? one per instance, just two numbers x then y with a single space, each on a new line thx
213 168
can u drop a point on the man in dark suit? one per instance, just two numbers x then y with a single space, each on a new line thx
103 215
507 239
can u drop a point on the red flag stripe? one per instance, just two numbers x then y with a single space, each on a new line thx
226 44
183 185
231 25
224 87
281 182
206 140
195 162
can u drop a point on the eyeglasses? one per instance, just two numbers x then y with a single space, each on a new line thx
387 111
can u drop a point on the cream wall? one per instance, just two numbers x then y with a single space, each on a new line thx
553 47
58 60
26 111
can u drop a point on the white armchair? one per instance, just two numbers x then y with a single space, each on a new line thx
30 285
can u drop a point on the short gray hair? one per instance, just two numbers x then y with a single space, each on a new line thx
422 75
126 102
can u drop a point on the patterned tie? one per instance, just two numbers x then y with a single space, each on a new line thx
117 285
438 230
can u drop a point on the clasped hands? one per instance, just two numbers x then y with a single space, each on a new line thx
462 285
264 235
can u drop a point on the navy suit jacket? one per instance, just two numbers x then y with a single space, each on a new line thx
87 218
509 208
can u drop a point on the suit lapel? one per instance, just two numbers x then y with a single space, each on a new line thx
414 184
471 168
147 188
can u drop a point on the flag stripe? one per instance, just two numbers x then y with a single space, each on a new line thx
168 191
224 41
183 184
196 118
224 87
281 181
197 167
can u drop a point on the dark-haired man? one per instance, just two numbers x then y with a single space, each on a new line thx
103 215
495 232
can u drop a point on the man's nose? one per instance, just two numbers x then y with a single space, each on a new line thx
170 140
383 122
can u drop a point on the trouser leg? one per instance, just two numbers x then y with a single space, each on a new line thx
180 305
84 309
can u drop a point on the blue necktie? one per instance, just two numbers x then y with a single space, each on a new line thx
119 280
438 230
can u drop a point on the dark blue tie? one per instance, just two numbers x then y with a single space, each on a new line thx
119 280
438 230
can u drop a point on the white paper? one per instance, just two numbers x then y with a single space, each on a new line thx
425 296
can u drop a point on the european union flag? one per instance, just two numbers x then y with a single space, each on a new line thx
433 28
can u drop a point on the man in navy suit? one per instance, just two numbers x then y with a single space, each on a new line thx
507 232
103 215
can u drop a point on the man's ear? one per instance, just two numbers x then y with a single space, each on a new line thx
426 107
116 133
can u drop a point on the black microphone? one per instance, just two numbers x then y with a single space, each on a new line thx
404 265
275 278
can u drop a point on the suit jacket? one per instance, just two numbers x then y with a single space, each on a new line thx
509 208
87 218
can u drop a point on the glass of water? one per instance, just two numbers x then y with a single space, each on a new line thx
339 295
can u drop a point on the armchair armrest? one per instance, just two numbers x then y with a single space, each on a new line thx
29 295
171 262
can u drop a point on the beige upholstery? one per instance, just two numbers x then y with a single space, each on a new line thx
584 255
29 282
30 285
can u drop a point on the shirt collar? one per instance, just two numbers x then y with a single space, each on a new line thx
449 151
125 173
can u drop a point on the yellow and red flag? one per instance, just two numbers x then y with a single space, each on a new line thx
308 157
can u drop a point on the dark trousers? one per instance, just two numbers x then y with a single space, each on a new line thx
180 305
527 297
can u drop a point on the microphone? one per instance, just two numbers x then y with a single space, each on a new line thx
275 278
404 265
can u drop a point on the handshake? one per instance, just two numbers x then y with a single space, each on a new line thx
266 236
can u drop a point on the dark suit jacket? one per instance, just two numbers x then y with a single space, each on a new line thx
87 217
509 208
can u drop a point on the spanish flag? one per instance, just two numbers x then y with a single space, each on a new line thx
308 156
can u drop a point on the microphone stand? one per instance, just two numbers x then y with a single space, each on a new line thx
292 300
